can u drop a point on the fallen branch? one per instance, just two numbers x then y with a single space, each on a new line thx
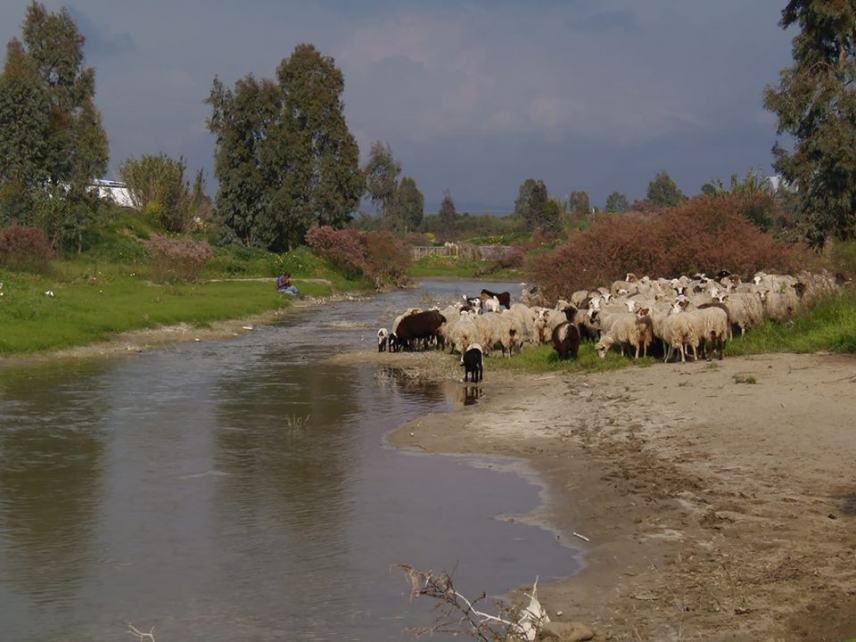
140 635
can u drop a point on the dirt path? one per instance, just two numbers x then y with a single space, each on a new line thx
716 510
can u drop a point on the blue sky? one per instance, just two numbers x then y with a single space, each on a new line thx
475 97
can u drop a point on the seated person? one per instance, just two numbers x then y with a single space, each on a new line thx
284 285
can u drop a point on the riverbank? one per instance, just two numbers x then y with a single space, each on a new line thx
715 509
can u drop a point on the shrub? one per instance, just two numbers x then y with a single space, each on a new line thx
23 247
704 234
176 259
375 255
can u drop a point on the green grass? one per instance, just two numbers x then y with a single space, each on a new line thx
829 326
449 267
544 358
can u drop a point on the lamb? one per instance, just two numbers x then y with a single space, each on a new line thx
566 340
491 305
382 339
471 360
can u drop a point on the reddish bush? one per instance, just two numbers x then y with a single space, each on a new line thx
23 247
176 259
703 234
376 255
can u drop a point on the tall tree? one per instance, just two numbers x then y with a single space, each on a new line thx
77 144
408 206
285 158
617 202
242 120
531 204
448 215
579 203
815 102
663 191
381 173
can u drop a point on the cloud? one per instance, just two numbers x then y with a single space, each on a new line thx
475 96
100 42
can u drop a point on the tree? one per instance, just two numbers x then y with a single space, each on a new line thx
381 172
815 102
531 204
157 185
284 158
241 121
579 203
408 206
448 215
617 203
663 192
52 143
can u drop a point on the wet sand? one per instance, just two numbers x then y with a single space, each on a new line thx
715 510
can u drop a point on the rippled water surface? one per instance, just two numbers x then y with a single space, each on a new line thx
240 490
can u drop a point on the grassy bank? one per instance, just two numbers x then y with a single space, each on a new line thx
449 267
544 359
88 297
830 326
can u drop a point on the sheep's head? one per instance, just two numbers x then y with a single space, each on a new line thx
603 346
631 305
643 313
631 278
800 288
762 294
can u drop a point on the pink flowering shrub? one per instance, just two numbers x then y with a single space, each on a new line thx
376 255
176 259
23 247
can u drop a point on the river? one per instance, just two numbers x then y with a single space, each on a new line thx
242 490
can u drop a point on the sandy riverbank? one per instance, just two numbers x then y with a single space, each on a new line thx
716 510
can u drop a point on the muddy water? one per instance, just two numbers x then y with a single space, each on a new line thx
241 490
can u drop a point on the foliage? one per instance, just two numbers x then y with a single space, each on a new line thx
533 206
663 191
157 185
24 248
376 255
51 140
408 206
477 228
285 159
842 256
381 172
617 203
579 203
447 215
176 259
703 234
830 325
815 102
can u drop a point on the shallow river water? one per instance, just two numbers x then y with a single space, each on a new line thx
241 490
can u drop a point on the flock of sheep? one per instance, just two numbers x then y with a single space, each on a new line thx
686 315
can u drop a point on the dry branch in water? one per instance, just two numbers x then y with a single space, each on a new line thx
459 615
141 635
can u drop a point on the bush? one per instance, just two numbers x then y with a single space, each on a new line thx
375 255
176 259
704 234
23 247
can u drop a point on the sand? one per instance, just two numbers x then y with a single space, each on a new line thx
716 510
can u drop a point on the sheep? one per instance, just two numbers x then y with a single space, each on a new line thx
566 340
715 328
523 319
678 331
620 330
745 310
547 322
578 297
472 362
382 339
498 330
461 332
491 305
398 319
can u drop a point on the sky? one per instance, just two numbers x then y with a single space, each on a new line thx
473 97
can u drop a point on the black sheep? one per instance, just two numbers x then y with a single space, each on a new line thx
471 361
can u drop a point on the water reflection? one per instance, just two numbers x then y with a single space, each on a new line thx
51 448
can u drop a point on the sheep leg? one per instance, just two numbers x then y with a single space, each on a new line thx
637 352
695 352
683 354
